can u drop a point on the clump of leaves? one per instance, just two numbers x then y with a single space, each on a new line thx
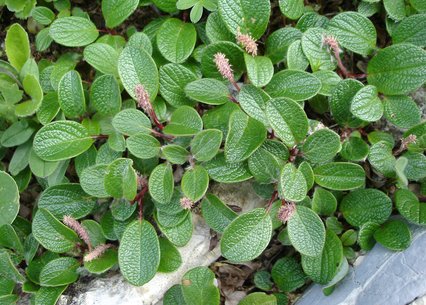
122 132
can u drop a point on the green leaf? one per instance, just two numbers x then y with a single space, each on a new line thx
288 274
321 146
265 165
43 40
140 40
117 11
102 57
173 79
185 121
259 69
176 40
9 239
198 287
103 263
288 120
216 29
322 268
121 180
395 9
49 295
382 159
216 213
292 9
296 59
258 298
366 205
49 108
169 219
208 91
365 236
402 111
292 184
32 89
398 69
18 133
354 149
71 95
329 80
262 280
8 269
92 180
143 146
135 67
317 54
409 207
222 171
17 46
418 5
366 105
131 122
308 173
293 84
9 199
175 154
324 202
253 101
168 6
43 15
394 235
340 176
247 236
279 41
170 258
377 136
205 144
195 183
246 16
196 12
51 233
66 200
341 102
105 95
411 30
354 32
416 167
60 271
306 231
73 31
181 233
139 253
161 183
174 296
61 140
245 135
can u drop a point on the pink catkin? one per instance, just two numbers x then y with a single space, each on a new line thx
95 253
186 203
332 43
247 42
78 228
286 211
223 66
142 97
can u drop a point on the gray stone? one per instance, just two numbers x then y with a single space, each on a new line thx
381 277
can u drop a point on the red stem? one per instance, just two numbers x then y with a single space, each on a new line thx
271 201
